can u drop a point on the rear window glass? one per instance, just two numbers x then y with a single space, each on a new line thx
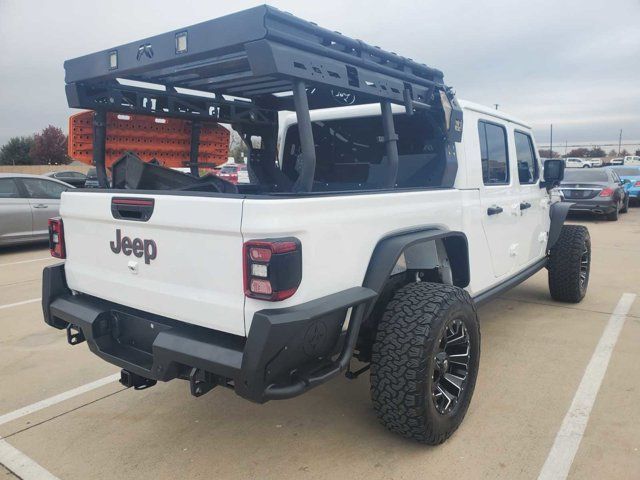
351 153
585 175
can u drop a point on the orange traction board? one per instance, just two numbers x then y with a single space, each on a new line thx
166 139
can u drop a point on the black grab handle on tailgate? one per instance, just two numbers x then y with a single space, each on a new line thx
137 209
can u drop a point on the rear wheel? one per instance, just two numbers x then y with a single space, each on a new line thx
613 216
425 361
569 264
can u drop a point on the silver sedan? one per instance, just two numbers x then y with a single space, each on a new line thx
26 204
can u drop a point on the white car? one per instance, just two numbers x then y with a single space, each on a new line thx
26 204
594 162
574 162
617 161
632 160
382 215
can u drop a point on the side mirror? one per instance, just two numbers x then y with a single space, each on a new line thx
553 173
625 181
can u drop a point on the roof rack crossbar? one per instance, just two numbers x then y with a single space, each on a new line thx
255 53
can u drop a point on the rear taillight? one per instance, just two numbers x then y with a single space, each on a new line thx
606 192
272 268
56 238
637 184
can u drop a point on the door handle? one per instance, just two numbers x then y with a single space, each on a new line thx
494 210
524 205
40 205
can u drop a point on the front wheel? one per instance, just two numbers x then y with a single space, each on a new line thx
425 361
569 264
625 205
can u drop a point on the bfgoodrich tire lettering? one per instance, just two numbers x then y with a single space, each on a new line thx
403 361
570 264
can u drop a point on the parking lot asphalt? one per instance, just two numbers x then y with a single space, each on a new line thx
534 354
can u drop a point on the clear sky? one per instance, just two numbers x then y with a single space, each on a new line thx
575 64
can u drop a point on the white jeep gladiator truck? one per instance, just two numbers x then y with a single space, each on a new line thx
381 211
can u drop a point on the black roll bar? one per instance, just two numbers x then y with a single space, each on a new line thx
391 143
99 146
195 147
304 183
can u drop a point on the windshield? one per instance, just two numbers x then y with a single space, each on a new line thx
586 175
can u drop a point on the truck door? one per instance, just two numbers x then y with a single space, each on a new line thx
533 201
499 205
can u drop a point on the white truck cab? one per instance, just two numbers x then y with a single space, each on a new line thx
377 217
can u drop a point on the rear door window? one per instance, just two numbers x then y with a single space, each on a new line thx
527 161
493 153
37 188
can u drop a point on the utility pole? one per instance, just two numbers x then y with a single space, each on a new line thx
551 142
619 142
496 105
565 148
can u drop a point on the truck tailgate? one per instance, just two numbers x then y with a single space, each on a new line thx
184 262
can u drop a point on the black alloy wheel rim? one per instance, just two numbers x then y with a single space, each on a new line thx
584 267
450 367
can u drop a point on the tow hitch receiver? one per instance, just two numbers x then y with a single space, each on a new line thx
200 382
130 379
74 334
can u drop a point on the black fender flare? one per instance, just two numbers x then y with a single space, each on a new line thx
388 251
558 213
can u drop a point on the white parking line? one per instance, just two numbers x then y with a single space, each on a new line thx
568 439
16 461
27 261
21 465
17 304
34 407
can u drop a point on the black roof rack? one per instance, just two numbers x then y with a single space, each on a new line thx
245 67
202 70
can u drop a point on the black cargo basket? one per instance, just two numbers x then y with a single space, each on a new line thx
243 68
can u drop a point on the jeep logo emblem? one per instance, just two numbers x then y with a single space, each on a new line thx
137 246
145 49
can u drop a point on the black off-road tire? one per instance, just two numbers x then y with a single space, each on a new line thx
403 362
568 279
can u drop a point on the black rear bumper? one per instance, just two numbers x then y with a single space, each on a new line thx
288 350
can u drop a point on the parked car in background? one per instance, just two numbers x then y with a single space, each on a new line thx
77 179
26 204
92 179
243 174
574 162
594 162
596 191
617 161
234 173
632 160
630 175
